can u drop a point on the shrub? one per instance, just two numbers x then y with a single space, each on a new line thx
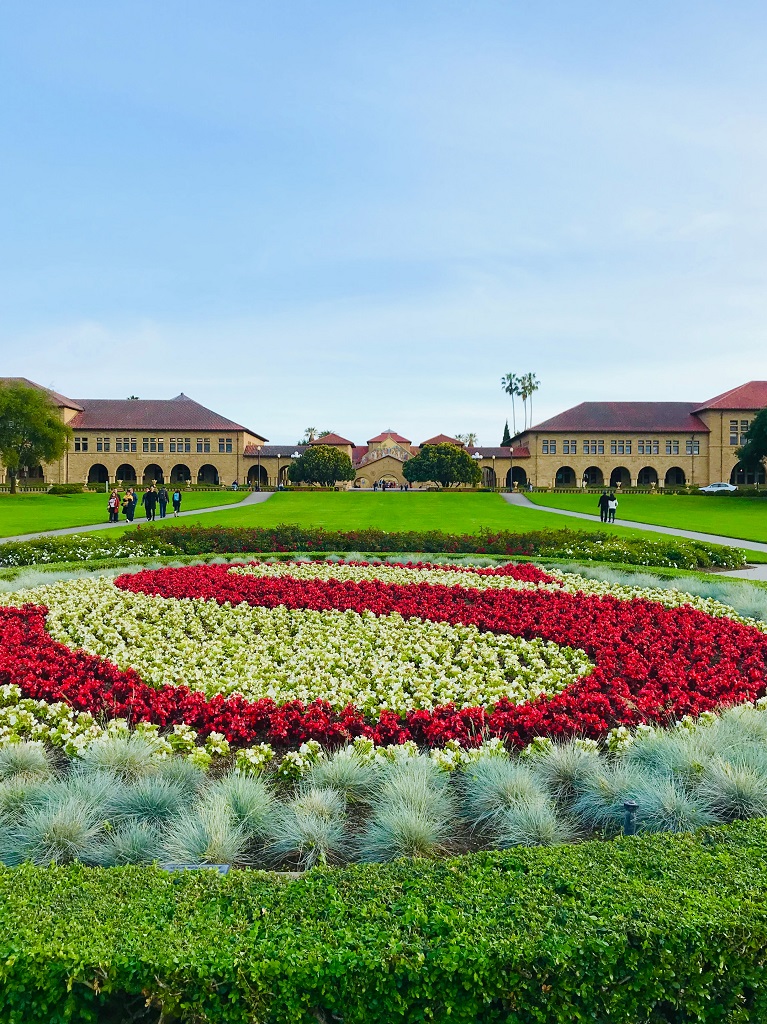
127 757
249 801
495 784
24 761
134 842
734 791
56 833
151 800
531 822
207 835
565 768
401 829
358 780
63 489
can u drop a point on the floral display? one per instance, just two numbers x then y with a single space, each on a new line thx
271 657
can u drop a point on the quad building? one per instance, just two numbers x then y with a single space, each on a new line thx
594 444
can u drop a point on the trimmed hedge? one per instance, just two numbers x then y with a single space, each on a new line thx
675 553
638 931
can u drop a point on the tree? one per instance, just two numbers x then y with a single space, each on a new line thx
321 464
506 442
445 464
754 451
528 385
311 434
31 431
470 439
510 384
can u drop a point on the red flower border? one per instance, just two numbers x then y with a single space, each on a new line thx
651 663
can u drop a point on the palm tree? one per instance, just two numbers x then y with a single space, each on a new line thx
528 385
470 439
511 385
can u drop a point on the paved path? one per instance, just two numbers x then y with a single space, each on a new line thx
254 498
757 572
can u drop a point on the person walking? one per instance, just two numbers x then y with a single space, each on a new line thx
113 506
604 502
162 500
129 504
149 501
612 507
176 501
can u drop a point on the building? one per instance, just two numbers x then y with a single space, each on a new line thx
594 444
645 444
138 441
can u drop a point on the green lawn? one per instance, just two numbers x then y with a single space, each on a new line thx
412 510
745 518
30 513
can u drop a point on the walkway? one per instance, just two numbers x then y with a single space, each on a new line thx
253 498
757 572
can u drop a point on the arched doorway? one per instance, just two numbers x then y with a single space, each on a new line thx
593 477
565 477
208 475
648 477
283 478
126 474
675 477
98 474
743 477
36 473
180 474
153 475
258 477
488 476
620 477
517 476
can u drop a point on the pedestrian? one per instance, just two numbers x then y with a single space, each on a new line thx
612 506
113 506
176 501
149 501
129 504
604 502
162 500
235 485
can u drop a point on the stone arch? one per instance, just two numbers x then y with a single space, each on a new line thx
98 474
488 477
35 473
517 476
258 477
675 477
620 477
282 476
565 477
126 473
153 475
748 477
593 477
648 477
180 474
208 475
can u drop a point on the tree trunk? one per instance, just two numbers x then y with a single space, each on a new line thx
12 476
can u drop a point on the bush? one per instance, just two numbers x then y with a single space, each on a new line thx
147 541
651 929
65 489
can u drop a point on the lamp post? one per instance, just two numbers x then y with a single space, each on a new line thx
495 478
278 470
296 455
258 488
511 470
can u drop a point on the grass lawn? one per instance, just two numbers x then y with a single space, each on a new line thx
745 518
412 510
30 513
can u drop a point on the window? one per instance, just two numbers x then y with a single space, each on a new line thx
160 444
103 444
203 444
225 445
693 447
81 444
744 425
620 447
125 444
593 447
672 447
569 447
548 447
180 444
647 447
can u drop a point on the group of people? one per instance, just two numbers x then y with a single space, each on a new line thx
389 485
608 505
151 499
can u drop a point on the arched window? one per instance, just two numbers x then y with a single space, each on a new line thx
153 475
180 474
208 475
620 477
126 473
98 474
743 477
675 477
565 477
647 477
593 477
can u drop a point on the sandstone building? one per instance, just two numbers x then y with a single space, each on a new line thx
594 444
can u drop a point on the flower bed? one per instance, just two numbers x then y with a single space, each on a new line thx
508 645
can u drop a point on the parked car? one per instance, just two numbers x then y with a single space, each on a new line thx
720 488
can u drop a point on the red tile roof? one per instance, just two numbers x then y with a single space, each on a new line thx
180 413
747 396
625 417
389 433
443 439
359 451
59 400
271 451
332 438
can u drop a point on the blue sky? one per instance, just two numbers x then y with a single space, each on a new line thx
359 215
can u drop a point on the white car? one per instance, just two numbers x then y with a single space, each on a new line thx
720 488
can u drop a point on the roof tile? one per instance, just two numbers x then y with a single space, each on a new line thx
647 417
752 395
179 413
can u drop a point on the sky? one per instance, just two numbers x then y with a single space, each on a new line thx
358 216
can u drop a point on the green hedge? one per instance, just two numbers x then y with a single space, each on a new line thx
637 931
